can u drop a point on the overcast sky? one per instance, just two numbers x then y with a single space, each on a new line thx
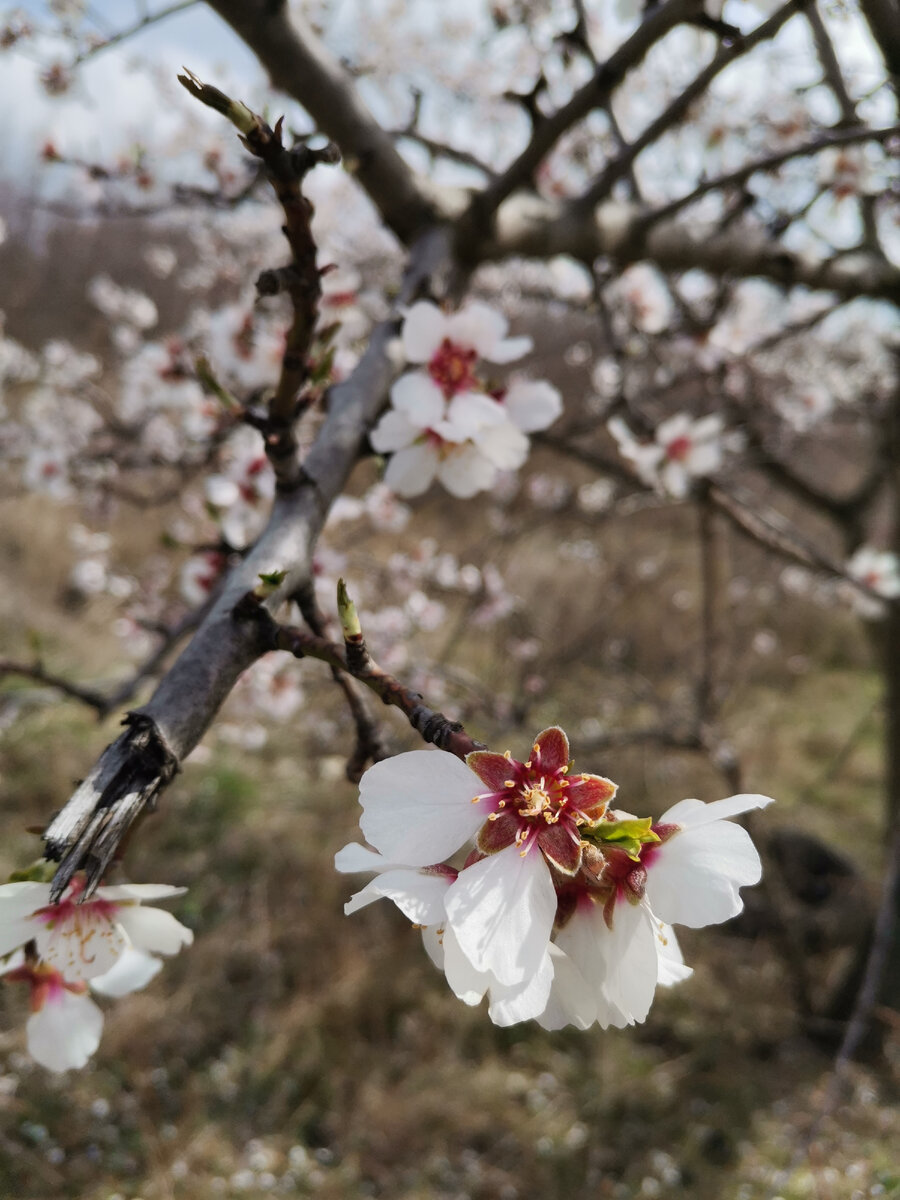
83 121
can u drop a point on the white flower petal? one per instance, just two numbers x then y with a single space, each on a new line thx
504 445
466 471
424 328
393 432
133 970
65 1032
704 459
672 968
632 961
675 480
509 350
678 426
532 404
691 813
154 929
523 1001
694 876
417 807
470 412
432 940
419 399
571 1000
466 983
707 428
620 964
82 943
354 857
411 471
18 901
139 891
15 933
502 910
478 327
419 897
21 899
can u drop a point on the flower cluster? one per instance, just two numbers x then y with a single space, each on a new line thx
445 422
563 911
879 573
107 944
682 450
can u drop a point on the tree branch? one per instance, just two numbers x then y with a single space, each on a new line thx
737 178
122 35
686 97
353 659
300 65
531 227
831 67
132 772
594 94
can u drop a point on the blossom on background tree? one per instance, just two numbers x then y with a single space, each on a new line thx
563 910
879 572
63 951
447 422
682 451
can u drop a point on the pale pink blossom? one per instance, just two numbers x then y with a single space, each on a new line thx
682 450
445 423
65 1025
878 570
200 576
451 343
879 573
618 928
461 442
84 939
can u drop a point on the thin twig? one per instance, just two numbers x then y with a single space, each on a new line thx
432 726
122 35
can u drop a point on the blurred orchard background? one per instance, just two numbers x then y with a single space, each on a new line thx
690 211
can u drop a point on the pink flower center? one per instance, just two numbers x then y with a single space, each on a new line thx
451 368
46 983
339 299
678 449
68 911
534 800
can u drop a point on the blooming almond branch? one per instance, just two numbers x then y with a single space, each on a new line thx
563 909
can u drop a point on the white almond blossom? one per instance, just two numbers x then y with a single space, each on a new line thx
877 570
243 491
444 422
682 450
84 939
65 1025
564 910
462 442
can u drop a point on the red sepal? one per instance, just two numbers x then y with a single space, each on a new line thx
492 769
552 750
561 847
494 836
